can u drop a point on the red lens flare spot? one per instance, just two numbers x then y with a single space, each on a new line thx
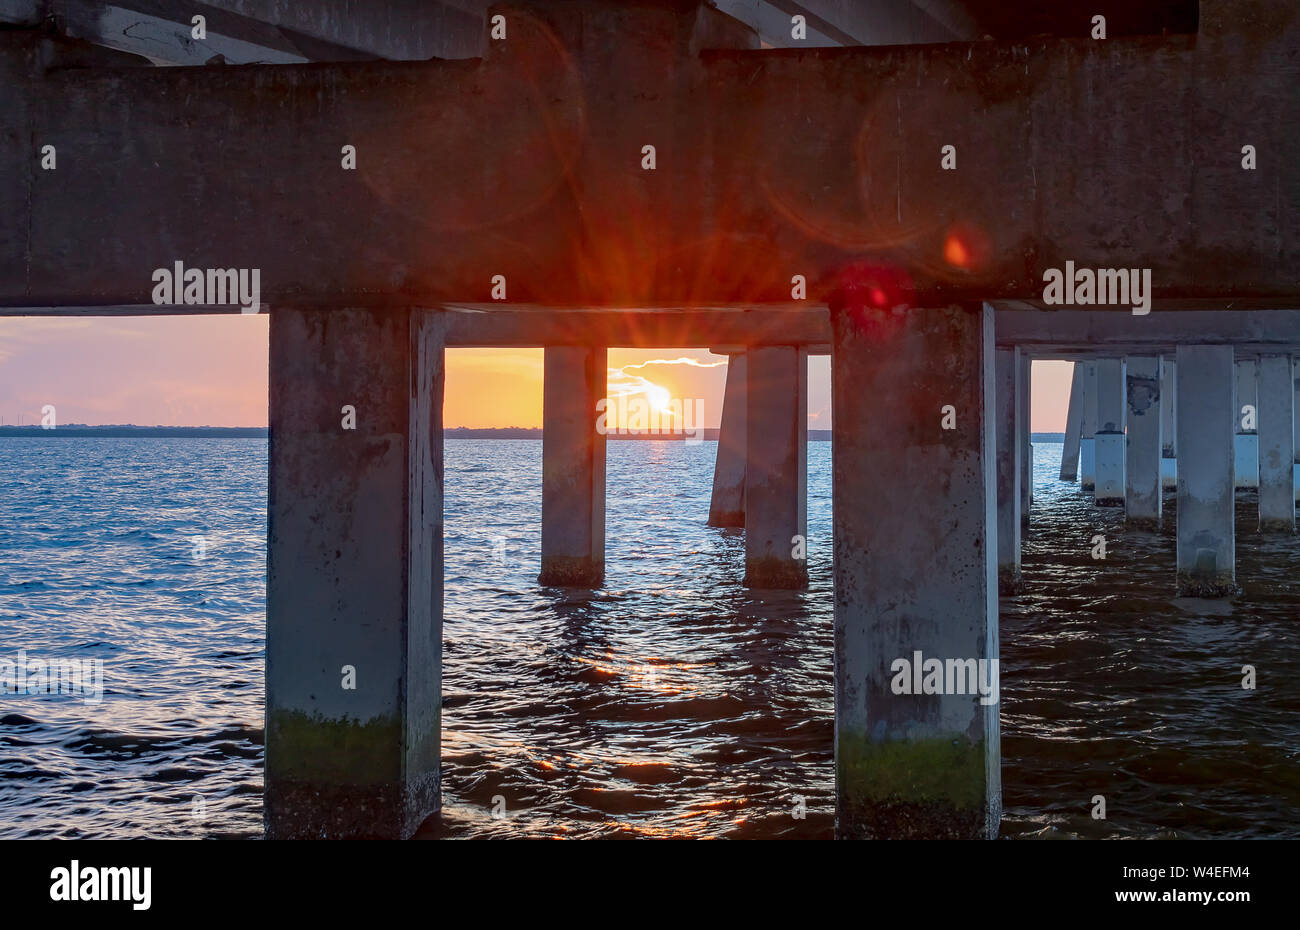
955 253
872 297
966 247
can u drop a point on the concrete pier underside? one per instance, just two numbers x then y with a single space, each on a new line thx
469 175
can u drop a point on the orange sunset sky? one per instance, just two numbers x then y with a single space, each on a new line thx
211 371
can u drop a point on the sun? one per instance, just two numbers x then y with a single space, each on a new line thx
659 397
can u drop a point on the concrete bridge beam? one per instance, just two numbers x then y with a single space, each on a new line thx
1142 446
1276 445
776 467
1206 545
909 589
354 573
1246 431
1007 499
1109 491
727 506
573 467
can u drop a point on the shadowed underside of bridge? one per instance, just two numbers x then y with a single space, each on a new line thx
527 163
646 174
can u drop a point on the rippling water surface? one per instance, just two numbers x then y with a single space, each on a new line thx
671 702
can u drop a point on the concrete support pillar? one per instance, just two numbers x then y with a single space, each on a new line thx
1073 423
776 467
914 575
1169 423
1088 430
354 572
1295 423
1276 445
1007 470
1110 433
727 507
1023 389
573 467
1246 438
1142 442
1206 546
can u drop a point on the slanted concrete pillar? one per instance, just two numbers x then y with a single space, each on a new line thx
573 467
1246 438
1110 433
1007 470
1276 445
1023 381
1088 430
776 467
1142 445
1169 424
1073 423
914 574
727 507
354 572
1206 547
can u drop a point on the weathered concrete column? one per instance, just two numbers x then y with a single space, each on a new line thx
354 572
1246 438
1007 470
727 507
1206 547
1276 445
1295 423
573 467
1110 433
1088 430
1142 442
776 467
1026 455
914 574
1073 423
1169 423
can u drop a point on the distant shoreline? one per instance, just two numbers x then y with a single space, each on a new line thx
81 431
